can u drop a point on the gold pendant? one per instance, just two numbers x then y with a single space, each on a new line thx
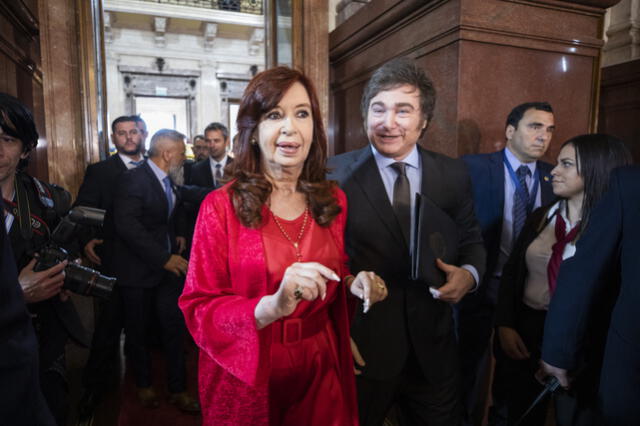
295 245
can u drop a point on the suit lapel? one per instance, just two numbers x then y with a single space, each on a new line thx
18 243
496 184
158 188
208 173
118 163
366 174
431 176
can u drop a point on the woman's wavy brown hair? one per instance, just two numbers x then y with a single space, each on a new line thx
251 189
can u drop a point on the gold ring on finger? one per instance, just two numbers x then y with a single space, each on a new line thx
380 286
297 293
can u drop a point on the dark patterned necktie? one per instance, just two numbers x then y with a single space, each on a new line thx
521 201
402 199
218 175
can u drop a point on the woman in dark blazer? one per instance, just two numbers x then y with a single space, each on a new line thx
529 281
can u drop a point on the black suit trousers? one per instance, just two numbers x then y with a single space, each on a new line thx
417 401
105 345
141 306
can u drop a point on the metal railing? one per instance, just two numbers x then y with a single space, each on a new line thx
243 6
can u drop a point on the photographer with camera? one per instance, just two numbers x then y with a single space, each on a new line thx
32 209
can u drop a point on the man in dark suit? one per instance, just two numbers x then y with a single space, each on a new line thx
610 242
200 148
405 347
148 265
97 190
495 183
142 127
209 174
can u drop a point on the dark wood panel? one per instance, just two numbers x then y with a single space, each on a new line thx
620 104
21 68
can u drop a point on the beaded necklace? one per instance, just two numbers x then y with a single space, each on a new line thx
295 243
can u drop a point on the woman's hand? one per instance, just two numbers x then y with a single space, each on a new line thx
369 287
301 281
512 343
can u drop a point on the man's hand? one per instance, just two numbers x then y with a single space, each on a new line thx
182 244
559 373
459 282
90 251
357 358
39 286
177 264
512 344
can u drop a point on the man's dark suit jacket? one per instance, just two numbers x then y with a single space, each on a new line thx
409 317
611 240
97 190
22 401
487 177
201 174
142 223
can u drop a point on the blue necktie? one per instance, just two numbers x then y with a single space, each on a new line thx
136 163
168 192
520 201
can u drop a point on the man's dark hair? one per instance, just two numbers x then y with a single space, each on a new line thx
196 137
121 119
518 112
137 119
396 73
218 126
17 121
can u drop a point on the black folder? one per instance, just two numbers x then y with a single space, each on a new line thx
435 235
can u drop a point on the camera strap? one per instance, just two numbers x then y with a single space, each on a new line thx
23 212
28 222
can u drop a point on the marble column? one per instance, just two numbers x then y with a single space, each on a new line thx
620 86
622 33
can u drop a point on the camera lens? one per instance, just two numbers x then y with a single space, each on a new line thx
88 282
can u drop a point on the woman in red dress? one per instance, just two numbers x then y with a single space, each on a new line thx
267 293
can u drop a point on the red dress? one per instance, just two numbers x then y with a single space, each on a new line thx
308 370
240 369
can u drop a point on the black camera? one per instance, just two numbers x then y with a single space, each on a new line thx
79 279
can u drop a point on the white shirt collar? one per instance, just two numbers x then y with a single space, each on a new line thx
412 160
127 160
515 163
222 162
560 204
160 174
